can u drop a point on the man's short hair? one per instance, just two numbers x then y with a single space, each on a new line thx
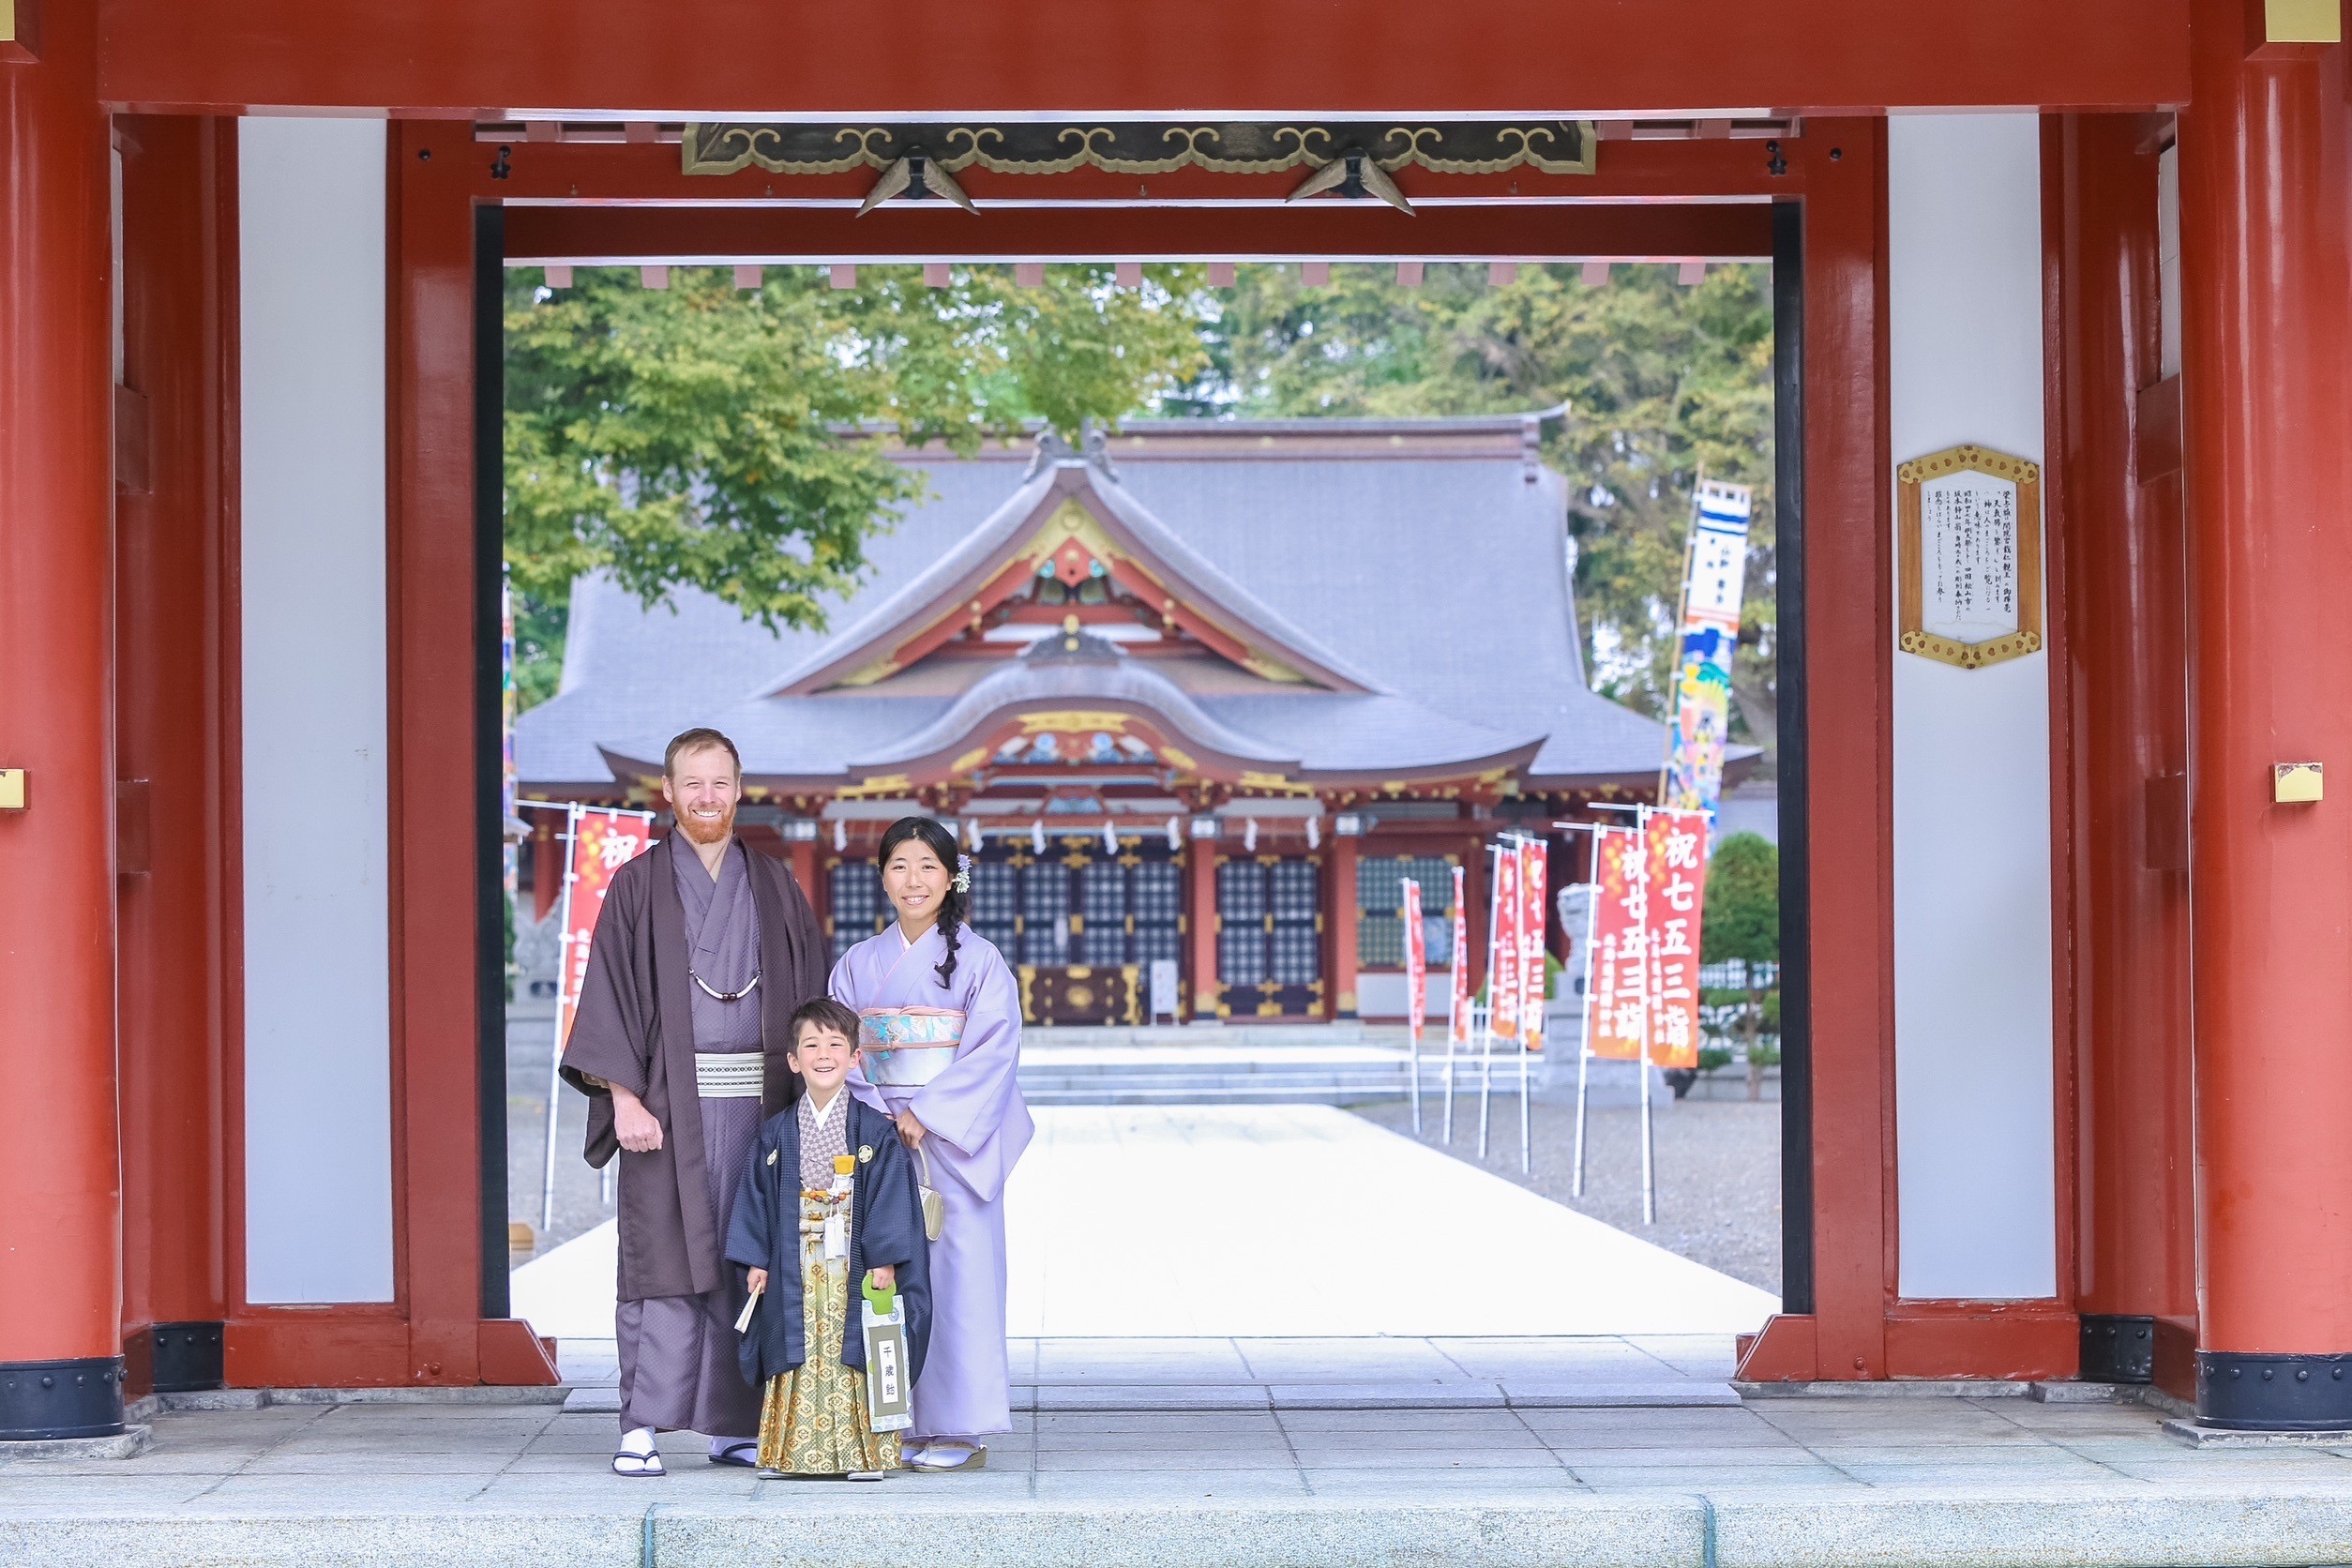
827 1013
694 740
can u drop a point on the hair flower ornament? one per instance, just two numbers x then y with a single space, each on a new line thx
963 873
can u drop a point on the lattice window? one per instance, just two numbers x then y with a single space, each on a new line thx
859 909
1158 905
1103 900
1297 944
995 900
1242 911
1046 913
1381 899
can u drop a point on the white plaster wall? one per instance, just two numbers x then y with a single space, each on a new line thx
318 1085
1974 1103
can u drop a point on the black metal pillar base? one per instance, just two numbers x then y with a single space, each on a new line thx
2249 1391
50 1399
174 1358
2118 1347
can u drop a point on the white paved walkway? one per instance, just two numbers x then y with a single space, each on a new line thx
1267 1221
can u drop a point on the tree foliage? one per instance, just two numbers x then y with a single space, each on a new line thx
1742 916
705 436
1664 383
730 440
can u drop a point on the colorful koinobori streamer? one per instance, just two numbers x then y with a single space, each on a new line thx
1713 585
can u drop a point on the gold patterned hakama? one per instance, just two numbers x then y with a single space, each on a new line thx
813 1421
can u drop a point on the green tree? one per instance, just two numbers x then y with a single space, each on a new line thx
1664 383
731 440
1742 921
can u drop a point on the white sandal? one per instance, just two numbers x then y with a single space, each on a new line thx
636 1462
744 1452
975 1456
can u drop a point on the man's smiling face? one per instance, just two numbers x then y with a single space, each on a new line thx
701 789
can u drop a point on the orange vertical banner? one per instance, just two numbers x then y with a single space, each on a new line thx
1457 1020
1534 872
1416 960
1676 855
1617 1014
1502 980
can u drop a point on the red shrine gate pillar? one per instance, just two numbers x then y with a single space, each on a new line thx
61 1226
2263 152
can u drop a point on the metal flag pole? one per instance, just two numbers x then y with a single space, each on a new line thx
1584 1020
1648 1014
1413 907
1494 994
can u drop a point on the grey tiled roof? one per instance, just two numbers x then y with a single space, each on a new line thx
1437 579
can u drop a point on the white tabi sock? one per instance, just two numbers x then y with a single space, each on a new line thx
639 1440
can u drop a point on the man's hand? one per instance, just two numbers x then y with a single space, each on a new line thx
909 1130
755 1280
640 1129
885 1275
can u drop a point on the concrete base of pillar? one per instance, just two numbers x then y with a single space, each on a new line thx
128 1443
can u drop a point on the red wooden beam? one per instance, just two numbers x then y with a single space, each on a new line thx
630 236
539 59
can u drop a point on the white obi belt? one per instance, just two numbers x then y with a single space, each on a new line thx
906 1048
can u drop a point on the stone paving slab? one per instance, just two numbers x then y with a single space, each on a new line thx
1785 1483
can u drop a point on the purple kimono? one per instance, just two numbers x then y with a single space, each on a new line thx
952 1053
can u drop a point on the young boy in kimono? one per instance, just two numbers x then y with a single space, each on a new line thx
829 1199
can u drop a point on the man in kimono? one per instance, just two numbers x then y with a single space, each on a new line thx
703 950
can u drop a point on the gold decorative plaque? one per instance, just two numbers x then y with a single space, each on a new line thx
1968 547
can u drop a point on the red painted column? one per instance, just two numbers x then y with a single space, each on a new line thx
61 1223
1342 904
1849 578
1200 890
2267 290
2125 654
173 445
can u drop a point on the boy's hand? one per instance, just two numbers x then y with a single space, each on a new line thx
755 1280
885 1276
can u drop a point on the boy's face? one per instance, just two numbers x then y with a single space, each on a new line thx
821 1056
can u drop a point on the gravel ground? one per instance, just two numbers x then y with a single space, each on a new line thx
1718 1167
578 1192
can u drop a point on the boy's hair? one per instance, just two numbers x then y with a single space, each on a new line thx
824 1011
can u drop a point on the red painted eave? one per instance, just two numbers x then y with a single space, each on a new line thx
1483 58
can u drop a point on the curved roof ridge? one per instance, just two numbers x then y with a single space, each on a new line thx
1215 585
972 555
1027 680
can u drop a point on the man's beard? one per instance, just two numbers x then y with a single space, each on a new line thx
705 830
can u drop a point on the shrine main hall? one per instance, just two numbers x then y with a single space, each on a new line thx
2066 900
1181 728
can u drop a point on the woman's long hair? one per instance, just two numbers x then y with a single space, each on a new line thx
951 908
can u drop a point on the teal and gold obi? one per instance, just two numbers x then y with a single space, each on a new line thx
906 1048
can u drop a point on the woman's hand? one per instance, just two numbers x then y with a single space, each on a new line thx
884 1277
909 1130
755 1280
640 1130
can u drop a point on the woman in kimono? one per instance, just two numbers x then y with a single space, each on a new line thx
940 1027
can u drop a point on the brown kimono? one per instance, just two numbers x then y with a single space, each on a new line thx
641 1021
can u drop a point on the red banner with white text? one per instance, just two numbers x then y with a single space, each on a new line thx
1503 985
1457 1030
1416 960
1534 872
1677 854
1617 1011
602 843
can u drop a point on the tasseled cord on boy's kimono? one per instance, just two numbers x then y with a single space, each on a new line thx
807 1345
